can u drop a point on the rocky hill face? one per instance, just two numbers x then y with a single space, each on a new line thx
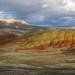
40 40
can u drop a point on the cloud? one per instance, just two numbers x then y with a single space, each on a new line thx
4 14
69 5
40 11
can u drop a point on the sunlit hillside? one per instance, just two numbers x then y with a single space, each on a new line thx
42 40
12 21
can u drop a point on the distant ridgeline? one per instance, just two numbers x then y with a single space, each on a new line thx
12 22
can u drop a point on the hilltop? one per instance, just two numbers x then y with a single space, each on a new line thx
12 22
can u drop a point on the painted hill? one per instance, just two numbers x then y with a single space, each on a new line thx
55 38
42 40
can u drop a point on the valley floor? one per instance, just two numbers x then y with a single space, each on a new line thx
34 62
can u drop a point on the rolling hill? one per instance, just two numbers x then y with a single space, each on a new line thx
41 40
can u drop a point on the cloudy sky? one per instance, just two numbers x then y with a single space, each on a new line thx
42 12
